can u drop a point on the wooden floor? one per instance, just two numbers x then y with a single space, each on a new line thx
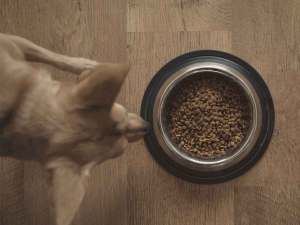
134 190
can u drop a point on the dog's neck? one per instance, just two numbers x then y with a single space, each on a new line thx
34 119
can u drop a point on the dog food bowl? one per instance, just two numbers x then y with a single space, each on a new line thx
252 147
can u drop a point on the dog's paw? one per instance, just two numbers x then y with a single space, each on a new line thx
87 64
78 65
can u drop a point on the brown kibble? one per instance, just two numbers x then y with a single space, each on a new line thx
208 116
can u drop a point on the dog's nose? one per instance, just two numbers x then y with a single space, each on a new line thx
146 126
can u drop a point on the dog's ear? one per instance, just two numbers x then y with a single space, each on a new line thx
100 86
67 184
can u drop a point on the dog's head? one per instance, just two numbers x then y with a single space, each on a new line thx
97 128
94 128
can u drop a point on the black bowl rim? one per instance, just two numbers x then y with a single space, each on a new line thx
268 117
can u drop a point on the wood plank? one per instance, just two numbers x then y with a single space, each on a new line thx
252 33
252 40
265 33
258 37
12 208
267 205
286 32
178 15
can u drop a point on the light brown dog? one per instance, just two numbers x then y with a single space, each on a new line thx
67 126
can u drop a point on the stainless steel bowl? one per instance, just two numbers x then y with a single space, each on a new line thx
231 165
160 125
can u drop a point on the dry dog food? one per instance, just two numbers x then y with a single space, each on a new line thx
208 116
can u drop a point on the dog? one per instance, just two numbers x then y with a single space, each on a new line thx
69 127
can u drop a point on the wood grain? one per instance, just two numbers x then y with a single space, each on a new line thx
134 189
12 208
266 205
178 15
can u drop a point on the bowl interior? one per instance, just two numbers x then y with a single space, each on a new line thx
209 76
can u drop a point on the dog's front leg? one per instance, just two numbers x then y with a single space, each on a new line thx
35 53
